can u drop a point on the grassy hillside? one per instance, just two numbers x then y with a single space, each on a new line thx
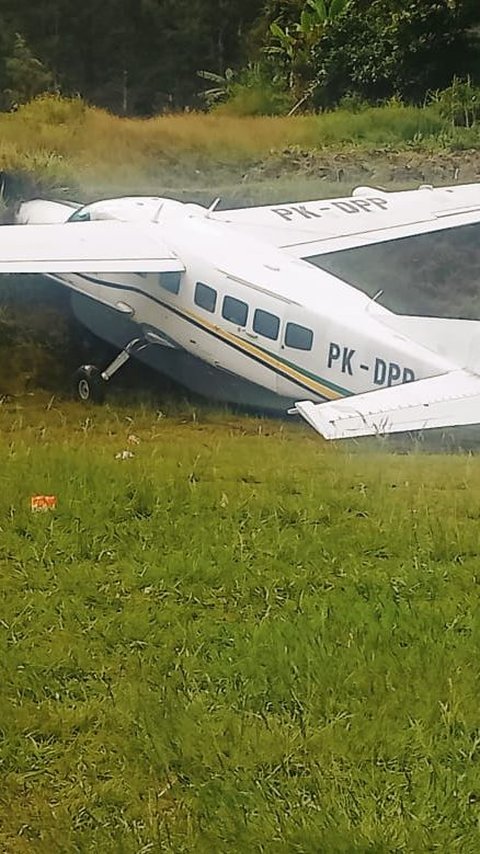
61 143
239 639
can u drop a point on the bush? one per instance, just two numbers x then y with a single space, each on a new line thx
353 103
460 103
379 50
256 101
392 124
53 109
257 92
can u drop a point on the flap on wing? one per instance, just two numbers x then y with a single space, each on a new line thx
448 400
455 339
86 247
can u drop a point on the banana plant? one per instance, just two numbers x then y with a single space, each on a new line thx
314 16
222 90
325 11
286 41
293 44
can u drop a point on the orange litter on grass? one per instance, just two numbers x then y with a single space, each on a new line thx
43 502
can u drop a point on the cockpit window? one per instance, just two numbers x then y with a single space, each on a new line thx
82 215
170 282
436 274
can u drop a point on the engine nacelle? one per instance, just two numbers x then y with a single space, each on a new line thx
43 212
125 209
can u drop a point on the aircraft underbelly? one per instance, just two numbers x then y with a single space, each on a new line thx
227 349
179 365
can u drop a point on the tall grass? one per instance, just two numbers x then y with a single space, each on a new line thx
65 141
239 639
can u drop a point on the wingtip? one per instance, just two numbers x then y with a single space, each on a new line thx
312 413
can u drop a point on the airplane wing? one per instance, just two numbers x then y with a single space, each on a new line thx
85 247
368 215
448 400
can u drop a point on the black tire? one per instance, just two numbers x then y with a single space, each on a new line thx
88 386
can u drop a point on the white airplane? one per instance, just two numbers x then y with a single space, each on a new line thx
279 307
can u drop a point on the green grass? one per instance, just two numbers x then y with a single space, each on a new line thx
241 639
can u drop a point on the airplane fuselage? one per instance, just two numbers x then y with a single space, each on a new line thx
248 310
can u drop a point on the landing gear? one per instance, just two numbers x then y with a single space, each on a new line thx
89 383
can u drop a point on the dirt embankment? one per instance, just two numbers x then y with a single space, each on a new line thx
290 174
378 167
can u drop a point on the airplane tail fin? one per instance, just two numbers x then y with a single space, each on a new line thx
456 340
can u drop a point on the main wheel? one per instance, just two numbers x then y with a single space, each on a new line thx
88 385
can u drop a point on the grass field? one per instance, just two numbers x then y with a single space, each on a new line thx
240 639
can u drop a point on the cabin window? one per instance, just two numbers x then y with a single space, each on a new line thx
298 337
205 297
235 310
266 324
170 282
436 273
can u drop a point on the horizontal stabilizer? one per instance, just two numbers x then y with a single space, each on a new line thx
448 400
85 247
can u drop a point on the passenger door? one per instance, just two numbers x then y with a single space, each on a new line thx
297 356
254 321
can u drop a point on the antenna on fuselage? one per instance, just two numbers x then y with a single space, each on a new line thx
374 299
213 207
157 213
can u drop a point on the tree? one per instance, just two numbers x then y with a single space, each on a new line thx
387 48
291 41
24 75
142 54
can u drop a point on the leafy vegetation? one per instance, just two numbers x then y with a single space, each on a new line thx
382 49
292 46
255 91
40 344
460 103
134 58
143 58
238 638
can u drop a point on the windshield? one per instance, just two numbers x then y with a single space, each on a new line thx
428 274
82 215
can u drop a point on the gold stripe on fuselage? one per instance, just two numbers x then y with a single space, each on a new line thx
267 358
